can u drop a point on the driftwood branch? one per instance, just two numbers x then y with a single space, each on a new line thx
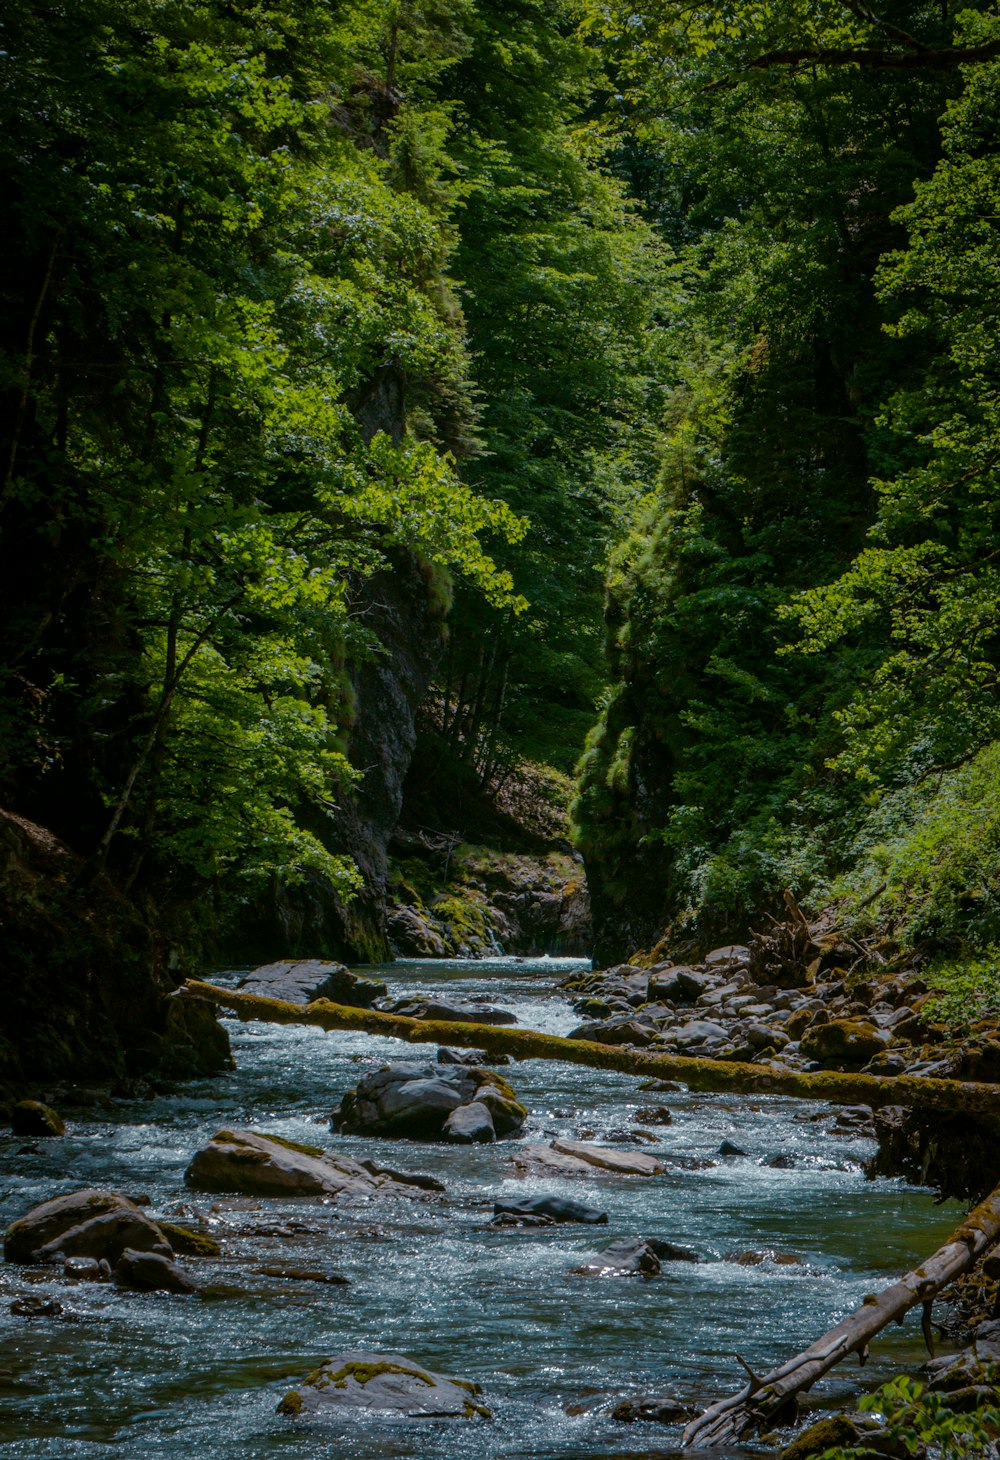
761 1400
841 1087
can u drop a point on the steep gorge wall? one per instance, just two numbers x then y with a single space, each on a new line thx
400 610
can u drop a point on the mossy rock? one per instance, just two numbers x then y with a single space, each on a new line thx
32 1118
188 1242
850 1042
827 1434
383 1383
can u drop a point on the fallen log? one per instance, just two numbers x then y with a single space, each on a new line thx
841 1087
761 1402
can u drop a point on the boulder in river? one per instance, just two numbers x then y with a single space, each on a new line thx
580 1158
375 1383
263 1165
300 981
152 1272
634 1257
408 1098
88 1223
555 1208
32 1118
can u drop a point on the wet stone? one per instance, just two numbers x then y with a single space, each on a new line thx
556 1208
362 1382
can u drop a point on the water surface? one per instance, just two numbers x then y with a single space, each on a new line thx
169 1376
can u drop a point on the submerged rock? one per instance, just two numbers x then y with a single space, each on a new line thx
376 1383
88 1223
578 1158
263 1165
407 1098
556 1208
634 1257
664 1409
32 1118
300 981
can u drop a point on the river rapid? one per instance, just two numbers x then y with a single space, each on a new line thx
168 1376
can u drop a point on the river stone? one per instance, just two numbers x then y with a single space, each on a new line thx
383 1383
621 1163
556 1208
88 1223
262 1165
300 981
32 1118
450 1013
844 1042
150 1272
470 1124
614 1031
407 1098
634 1257
664 1409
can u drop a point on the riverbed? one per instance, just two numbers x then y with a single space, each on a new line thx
169 1376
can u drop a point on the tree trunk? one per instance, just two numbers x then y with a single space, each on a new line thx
965 1096
760 1402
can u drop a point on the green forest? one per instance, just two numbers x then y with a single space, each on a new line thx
504 477
658 343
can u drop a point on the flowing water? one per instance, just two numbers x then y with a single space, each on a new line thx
201 1376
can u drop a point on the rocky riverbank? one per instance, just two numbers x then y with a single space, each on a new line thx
449 899
794 1001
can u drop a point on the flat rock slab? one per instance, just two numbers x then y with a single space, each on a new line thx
579 1158
360 1382
262 1165
451 1013
89 1223
303 980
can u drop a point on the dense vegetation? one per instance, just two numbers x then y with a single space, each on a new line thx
304 299
294 295
803 626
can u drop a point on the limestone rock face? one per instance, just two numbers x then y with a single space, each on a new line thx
262 1165
413 1099
373 1383
88 1223
300 981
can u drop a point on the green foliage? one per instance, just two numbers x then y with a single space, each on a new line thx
925 859
210 320
921 1422
802 627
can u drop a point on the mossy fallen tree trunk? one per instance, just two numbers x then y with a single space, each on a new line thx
765 1399
963 1096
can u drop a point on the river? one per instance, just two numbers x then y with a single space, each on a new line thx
169 1376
